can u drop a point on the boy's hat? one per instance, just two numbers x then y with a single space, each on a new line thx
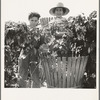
59 5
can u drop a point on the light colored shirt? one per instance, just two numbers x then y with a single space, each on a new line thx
59 21
60 26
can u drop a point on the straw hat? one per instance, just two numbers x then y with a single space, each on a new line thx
59 5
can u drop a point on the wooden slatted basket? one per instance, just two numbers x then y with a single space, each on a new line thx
64 72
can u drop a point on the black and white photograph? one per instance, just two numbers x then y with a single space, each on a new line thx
49 44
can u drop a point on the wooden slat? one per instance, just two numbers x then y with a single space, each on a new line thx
45 65
68 72
43 74
52 71
42 64
73 71
51 18
43 77
55 72
48 71
59 71
52 79
53 63
77 70
80 70
64 71
48 19
84 65
55 79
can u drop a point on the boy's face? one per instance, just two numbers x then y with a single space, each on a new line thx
59 12
34 21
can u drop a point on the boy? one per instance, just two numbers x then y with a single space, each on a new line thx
28 61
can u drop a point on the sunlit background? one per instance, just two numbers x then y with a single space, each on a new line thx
18 10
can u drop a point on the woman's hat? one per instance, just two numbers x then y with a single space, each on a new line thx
59 5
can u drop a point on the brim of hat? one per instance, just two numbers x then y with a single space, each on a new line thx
52 9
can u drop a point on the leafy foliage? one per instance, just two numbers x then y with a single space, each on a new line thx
18 36
77 38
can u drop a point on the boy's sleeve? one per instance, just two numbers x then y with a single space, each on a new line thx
21 53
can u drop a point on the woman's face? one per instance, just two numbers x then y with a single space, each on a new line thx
59 12
34 21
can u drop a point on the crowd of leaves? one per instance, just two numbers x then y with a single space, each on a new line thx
79 39
84 43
